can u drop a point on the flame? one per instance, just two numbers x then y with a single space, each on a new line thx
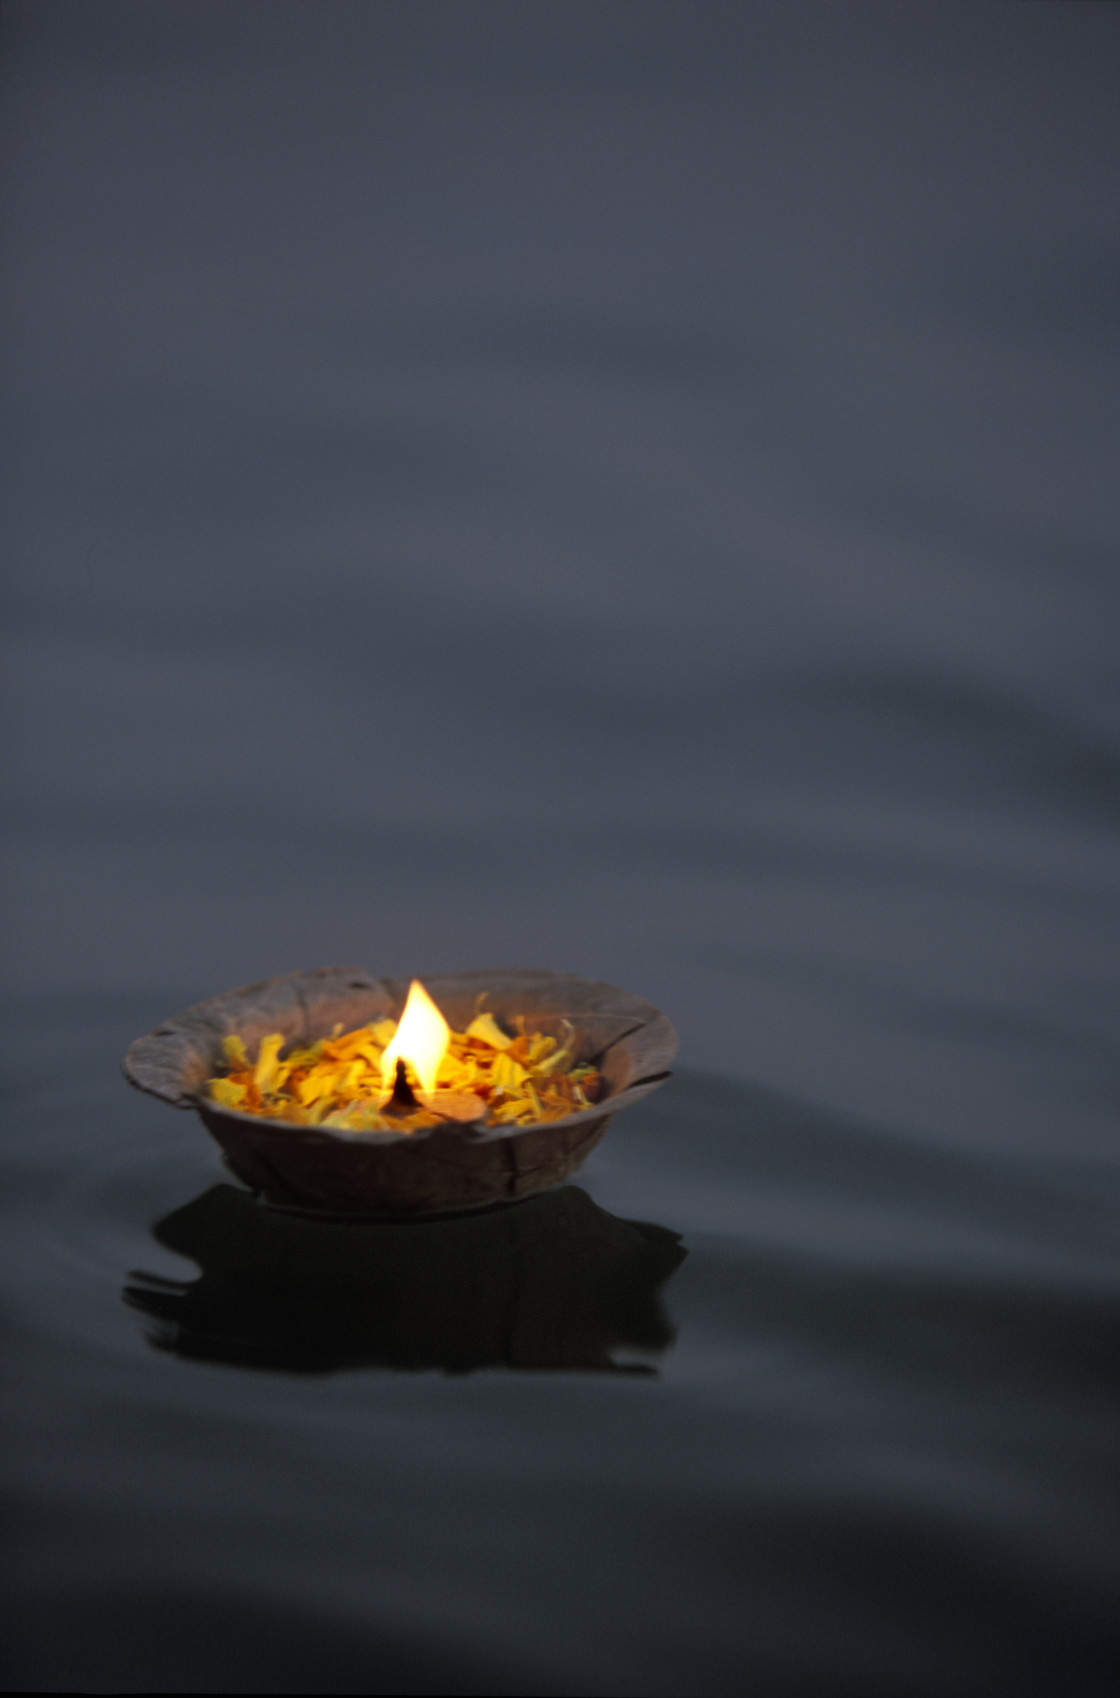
421 1040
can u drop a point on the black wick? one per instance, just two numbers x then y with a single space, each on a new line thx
403 1095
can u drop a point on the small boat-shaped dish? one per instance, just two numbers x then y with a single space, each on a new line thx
431 1170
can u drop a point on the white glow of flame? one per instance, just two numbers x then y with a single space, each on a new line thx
420 1039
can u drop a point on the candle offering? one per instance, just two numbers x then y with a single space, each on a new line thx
339 1092
402 1076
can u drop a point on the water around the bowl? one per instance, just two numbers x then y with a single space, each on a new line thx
630 488
770 1401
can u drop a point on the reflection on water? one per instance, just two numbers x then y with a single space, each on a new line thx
555 1282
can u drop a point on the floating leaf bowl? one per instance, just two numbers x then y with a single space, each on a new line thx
432 1170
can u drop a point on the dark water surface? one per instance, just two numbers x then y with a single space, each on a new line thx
627 489
855 1433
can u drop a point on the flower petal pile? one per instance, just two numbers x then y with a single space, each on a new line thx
337 1082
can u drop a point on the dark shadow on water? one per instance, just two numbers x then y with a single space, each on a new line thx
554 1282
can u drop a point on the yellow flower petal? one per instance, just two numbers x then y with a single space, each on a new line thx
485 1028
552 1062
233 1048
264 1073
507 1075
224 1091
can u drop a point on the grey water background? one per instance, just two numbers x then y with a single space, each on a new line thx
629 489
